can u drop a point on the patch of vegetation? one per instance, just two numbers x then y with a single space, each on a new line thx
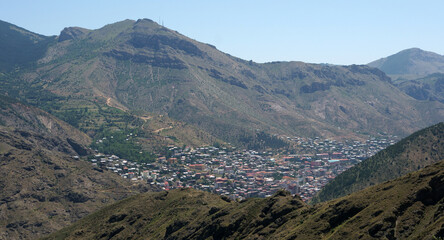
262 140
123 144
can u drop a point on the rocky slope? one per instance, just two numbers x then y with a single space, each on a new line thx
43 188
139 65
410 207
20 116
410 154
429 88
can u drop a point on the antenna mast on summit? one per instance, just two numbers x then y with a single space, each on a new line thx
160 22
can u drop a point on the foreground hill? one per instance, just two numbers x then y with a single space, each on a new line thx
407 208
43 188
410 64
412 153
142 66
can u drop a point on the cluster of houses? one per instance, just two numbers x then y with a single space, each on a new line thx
241 174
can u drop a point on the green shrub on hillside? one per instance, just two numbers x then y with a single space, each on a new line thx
123 144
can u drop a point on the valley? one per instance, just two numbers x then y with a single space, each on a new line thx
409 207
241 174
134 130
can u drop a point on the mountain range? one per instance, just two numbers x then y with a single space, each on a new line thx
140 67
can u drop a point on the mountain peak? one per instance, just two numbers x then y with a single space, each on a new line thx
145 20
418 53
412 50
142 65
69 33
410 63
148 26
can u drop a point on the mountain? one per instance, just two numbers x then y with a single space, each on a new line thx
20 47
429 88
412 153
410 207
89 116
140 66
410 64
43 188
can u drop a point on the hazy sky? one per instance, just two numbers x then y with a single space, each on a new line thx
329 31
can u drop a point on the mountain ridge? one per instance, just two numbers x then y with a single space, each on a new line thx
139 65
20 47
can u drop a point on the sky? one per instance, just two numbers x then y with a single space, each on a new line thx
317 31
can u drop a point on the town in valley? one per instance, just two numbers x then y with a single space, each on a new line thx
241 173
